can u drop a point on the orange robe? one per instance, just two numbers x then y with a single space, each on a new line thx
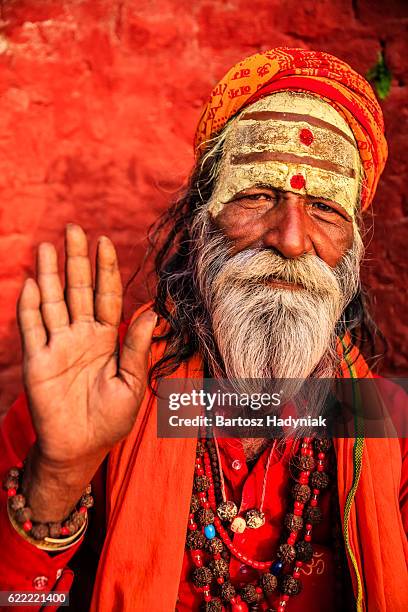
149 488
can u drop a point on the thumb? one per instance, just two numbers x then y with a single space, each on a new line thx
134 358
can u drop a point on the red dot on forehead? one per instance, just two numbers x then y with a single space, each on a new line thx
306 136
297 181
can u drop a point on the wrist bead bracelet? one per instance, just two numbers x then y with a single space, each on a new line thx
47 536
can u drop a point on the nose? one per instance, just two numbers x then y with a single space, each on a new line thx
287 229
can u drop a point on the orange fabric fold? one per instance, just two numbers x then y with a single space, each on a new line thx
149 489
376 532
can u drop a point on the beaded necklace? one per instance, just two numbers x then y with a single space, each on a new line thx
211 517
228 511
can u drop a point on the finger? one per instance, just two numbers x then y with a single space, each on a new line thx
78 275
108 293
30 322
53 308
134 359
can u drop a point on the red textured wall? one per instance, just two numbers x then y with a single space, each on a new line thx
98 105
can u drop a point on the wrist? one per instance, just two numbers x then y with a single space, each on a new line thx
73 470
46 534
53 489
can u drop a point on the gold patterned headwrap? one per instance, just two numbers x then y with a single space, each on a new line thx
292 141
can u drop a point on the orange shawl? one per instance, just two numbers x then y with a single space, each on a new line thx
149 487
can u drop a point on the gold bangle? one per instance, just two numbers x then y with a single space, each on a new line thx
49 544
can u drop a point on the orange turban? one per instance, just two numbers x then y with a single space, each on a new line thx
311 71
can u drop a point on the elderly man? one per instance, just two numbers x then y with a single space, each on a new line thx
258 277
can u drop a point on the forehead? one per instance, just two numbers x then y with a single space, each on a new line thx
293 142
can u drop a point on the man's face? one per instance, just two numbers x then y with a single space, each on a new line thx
289 223
285 263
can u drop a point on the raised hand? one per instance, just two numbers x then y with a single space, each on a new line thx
83 398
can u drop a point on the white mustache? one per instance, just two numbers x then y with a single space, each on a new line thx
254 266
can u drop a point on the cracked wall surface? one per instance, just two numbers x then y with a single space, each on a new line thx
98 106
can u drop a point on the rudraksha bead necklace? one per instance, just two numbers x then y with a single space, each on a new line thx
210 520
227 510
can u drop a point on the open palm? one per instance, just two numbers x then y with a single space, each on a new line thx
83 397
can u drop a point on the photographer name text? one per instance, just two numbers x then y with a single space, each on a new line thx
265 421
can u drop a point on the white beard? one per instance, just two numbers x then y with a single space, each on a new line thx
267 332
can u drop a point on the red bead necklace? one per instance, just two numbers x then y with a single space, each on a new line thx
206 533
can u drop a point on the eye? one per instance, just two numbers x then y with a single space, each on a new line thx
256 197
323 207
